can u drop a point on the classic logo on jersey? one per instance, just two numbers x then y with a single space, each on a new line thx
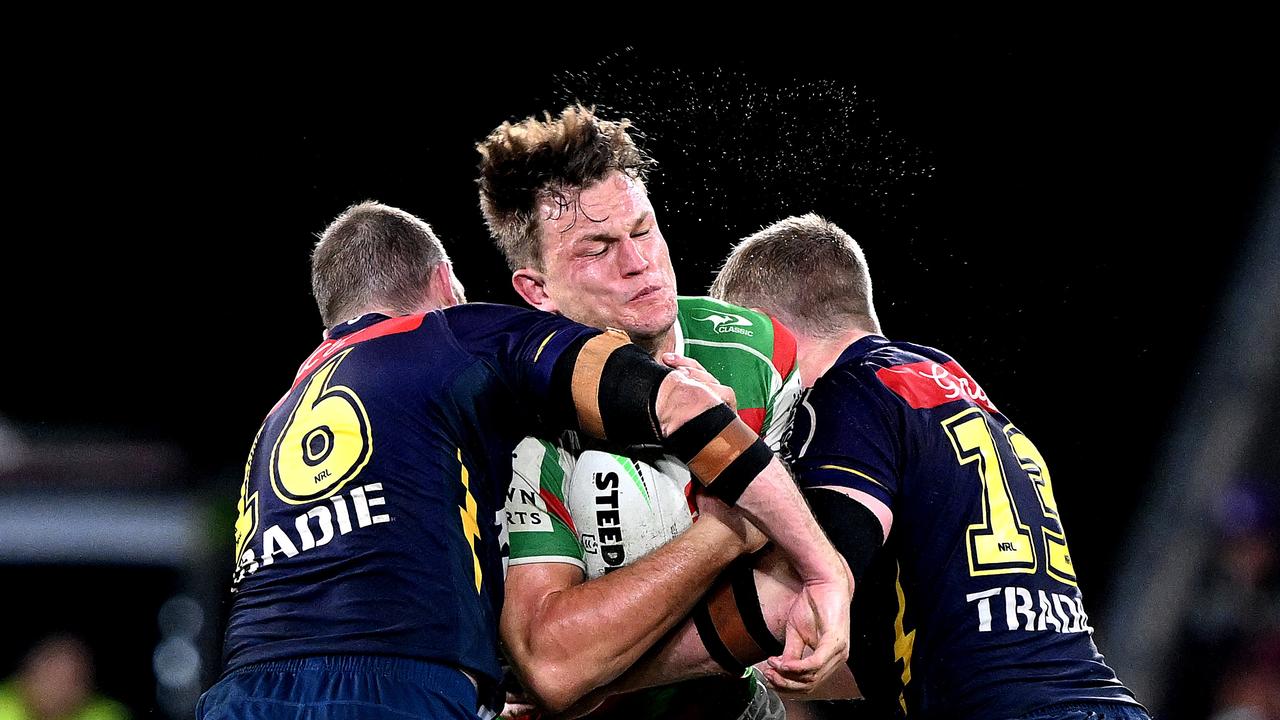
325 443
928 384
727 322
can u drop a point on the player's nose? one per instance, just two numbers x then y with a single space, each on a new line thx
631 259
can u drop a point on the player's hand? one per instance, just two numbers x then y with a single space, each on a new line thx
819 619
694 369
747 534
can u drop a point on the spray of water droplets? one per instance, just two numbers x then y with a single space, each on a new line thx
735 152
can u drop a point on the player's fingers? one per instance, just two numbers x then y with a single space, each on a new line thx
793 644
693 369
830 648
805 669
676 360
726 394
783 683
792 648
701 375
810 633
812 669
800 676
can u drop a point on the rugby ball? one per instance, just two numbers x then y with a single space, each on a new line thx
624 509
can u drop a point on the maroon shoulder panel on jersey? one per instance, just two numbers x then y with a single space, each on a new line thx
929 384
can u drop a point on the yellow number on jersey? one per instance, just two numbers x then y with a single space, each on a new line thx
325 443
1059 566
1001 543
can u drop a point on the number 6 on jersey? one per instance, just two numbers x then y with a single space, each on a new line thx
325 443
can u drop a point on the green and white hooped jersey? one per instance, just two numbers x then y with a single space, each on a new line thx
743 349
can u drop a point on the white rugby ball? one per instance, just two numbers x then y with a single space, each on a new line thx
624 509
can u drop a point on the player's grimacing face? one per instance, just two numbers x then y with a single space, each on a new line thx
606 262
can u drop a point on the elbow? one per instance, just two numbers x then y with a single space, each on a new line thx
551 653
552 685
552 675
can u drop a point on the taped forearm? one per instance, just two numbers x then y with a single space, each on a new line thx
610 387
721 451
621 394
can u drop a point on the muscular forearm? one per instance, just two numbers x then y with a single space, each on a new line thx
771 500
775 505
681 655
583 636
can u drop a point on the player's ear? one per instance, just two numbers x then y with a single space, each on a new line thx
532 286
444 288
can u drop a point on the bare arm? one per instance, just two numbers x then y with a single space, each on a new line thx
772 502
735 464
819 618
566 636
682 655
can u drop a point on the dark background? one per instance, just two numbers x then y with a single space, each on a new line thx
1060 210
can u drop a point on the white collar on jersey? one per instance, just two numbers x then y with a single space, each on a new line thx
675 327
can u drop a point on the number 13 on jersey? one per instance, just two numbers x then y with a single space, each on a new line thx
1002 543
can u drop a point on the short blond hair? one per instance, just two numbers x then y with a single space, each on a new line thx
373 255
804 270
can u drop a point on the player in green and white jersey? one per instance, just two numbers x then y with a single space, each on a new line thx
564 199
742 349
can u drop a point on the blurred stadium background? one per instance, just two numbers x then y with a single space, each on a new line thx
1088 220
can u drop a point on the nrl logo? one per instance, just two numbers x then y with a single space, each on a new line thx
727 323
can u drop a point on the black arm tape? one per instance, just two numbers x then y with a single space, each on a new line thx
730 621
563 413
733 480
743 577
707 442
853 529
716 648
690 438
629 396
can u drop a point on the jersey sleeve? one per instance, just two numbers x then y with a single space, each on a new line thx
845 436
539 525
521 345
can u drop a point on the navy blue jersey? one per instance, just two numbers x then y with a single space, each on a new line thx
368 517
971 609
